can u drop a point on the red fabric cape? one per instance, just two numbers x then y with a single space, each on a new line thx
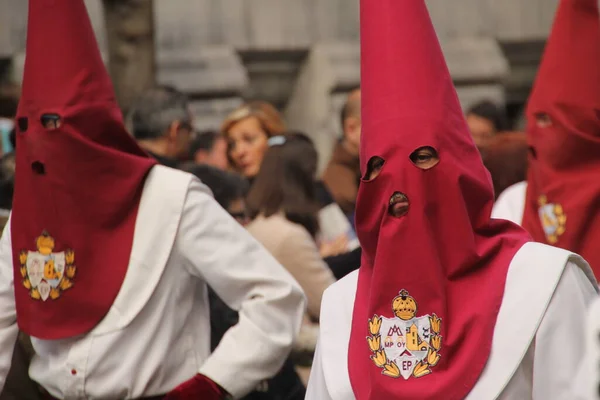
77 187
431 283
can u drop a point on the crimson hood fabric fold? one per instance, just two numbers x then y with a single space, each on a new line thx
432 281
562 205
77 187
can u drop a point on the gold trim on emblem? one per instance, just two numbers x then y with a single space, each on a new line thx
46 274
552 218
411 345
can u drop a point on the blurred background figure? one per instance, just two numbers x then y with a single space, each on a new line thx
505 156
247 131
338 244
229 189
161 122
283 205
7 161
8 110
342 174
485 119
210 148
284 208
7 184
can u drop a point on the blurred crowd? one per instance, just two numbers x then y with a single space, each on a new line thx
252 294
265 176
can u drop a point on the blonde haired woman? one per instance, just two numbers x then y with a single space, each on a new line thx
247 130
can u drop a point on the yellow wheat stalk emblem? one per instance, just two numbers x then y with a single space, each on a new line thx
554 225
45 245
390 368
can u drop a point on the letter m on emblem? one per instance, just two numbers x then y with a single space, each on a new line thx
394 330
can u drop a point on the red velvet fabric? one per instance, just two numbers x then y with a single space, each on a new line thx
199 387
563 194
442 267
77 187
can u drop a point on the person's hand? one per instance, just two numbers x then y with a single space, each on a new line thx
335 247
199 387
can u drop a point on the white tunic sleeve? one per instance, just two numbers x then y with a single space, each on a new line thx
8 314
560 340
317 386
243 274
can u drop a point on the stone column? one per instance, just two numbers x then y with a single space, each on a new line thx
194 55
130 39
320 92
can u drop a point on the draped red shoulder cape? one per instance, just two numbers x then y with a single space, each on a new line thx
432 281
78 186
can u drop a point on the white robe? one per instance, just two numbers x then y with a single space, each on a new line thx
510 205
157 333
538 338
588 384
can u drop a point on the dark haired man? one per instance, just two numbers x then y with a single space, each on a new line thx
209 148
485 119
161 122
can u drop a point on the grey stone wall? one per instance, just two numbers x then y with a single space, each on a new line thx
303 55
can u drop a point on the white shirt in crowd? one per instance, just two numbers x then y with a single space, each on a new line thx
157 333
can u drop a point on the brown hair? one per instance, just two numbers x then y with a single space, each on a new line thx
270 119
286 183
506 158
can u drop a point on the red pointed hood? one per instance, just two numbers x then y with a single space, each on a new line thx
77 187
432 280
564 134
569 72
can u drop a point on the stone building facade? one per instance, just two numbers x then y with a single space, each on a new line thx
303 55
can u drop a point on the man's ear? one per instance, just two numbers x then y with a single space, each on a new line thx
173 130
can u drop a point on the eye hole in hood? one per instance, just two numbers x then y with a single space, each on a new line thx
51 121
425 157
374 167
23 124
